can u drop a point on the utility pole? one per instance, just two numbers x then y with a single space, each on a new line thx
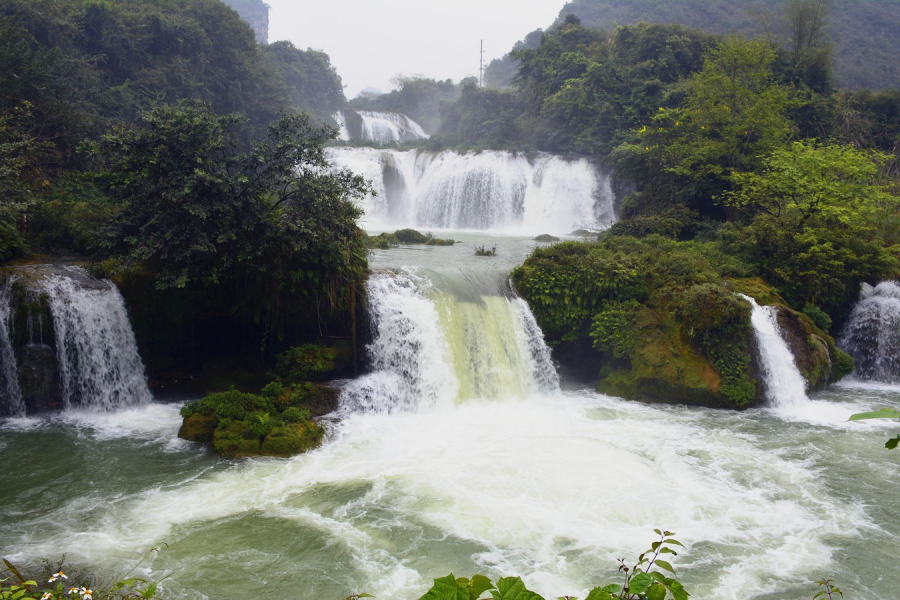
481 67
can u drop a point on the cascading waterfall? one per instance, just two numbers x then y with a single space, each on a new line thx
341 120
389 128
99 364
11 403
485 191
872 333
785 386
431 349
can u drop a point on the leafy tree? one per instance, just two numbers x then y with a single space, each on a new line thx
815 213
313 84
193 208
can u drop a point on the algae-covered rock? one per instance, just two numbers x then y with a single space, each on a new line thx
546 237
235 440
292 438
665 324
279 421
309 362
198 427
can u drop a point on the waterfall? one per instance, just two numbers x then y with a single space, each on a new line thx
11 403
785 386
389 128
489 190
343 132
431 349
872 333
66 342
99 364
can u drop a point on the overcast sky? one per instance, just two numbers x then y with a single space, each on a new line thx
371 41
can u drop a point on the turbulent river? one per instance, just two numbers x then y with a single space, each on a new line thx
463 452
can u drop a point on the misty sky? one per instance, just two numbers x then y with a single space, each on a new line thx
371 41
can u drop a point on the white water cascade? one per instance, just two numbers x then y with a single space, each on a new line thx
11 403
872 333
389 128
341 120
486 191
432 350
784 385
99 364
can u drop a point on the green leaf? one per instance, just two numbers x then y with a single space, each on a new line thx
665 565
479 585
513 588
599 594
446 588
657 591
881 413
892 443
639 583
678 590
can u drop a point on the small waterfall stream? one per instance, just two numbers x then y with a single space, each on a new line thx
872 333
785 386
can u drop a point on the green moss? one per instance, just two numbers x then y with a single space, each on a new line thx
198 428
756 288
307 362
292 439
546 238
235 441
841 365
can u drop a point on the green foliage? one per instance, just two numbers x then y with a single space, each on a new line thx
861 59
830 590
818 316
882 413
613 328
62 586
384 241
814 213
485 251
647 579
305 363
296 415
313 84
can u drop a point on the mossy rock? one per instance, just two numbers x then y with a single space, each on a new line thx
198 428
292 439
546 237
235 440
756 288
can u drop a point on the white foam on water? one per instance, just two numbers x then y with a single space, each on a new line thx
551 487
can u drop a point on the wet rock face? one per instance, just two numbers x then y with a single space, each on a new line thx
39 378
809 347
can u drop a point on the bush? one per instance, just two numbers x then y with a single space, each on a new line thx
305 363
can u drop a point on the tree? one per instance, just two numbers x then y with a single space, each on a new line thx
194 209
815 212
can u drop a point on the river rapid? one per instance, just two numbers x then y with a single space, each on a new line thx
461 452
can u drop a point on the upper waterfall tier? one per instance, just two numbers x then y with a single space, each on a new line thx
383 128
872 333
492 190
66 342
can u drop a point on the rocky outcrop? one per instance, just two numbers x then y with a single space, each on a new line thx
256 13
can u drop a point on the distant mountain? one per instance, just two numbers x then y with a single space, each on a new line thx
256 13
866 33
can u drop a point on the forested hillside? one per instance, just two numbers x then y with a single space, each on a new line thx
256 13
159 139
865 33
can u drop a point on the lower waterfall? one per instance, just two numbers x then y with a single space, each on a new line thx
489 190
784 385
96 361
431 349
872 333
